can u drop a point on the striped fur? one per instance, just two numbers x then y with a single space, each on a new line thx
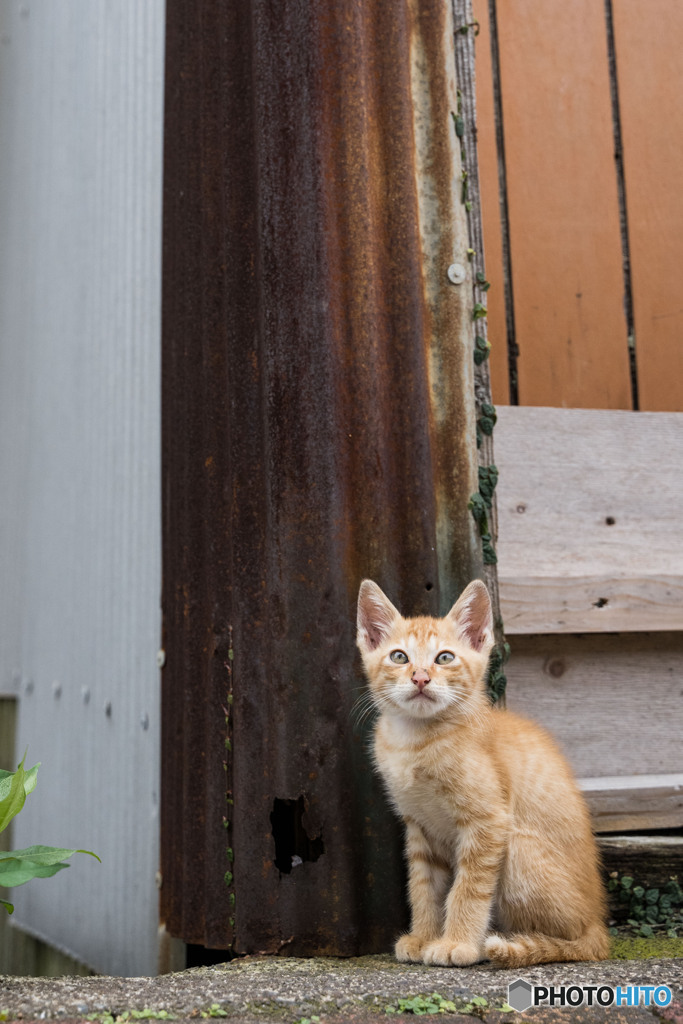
502 863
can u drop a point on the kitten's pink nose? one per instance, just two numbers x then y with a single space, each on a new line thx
420 678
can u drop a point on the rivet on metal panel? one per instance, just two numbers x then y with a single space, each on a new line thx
56 690
107 709
85 694
30 687
161 658
144 721
456 273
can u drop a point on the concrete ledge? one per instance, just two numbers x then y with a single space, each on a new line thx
255 990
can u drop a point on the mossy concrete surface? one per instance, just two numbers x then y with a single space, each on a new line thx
633 947
262 989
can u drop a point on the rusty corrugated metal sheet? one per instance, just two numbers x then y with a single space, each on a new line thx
318 428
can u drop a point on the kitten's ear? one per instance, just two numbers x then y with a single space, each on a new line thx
473 616
376 615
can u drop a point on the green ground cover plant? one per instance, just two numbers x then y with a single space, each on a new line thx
648 911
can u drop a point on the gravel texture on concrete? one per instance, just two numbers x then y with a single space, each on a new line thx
258 989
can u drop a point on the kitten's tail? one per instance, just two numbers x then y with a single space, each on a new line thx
524 950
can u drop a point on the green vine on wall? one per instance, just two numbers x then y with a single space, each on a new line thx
480 504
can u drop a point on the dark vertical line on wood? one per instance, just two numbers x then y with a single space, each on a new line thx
513 350
623 213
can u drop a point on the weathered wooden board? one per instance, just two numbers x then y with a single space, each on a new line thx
487 153
649 859
563 205
650 74
590 530
634 802
614 702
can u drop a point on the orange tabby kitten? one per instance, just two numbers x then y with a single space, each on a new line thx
496 829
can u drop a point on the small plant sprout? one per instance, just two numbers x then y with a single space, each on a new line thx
20 866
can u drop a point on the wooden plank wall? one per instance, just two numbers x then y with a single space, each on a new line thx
580 144
590 562
650 74
589 514
582 249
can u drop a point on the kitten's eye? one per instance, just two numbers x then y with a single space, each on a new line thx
399 657
445 658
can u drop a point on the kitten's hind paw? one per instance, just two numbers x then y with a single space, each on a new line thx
409 948
446 953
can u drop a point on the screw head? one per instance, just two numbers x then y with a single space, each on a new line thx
456 273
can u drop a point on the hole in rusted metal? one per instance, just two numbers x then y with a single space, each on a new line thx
428 586
610 521
600 603
293 845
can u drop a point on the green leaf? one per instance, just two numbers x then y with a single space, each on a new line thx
19 866
30 780
12 794
651 896
9 907
15 872
488 552
626 882
477 506
646 931
481 355
45 854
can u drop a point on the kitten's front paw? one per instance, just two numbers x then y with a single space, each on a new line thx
409 948
446 953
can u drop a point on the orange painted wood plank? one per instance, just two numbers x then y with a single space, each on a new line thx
563 205
490 208
649 49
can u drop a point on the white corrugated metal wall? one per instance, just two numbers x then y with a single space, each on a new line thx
81 108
